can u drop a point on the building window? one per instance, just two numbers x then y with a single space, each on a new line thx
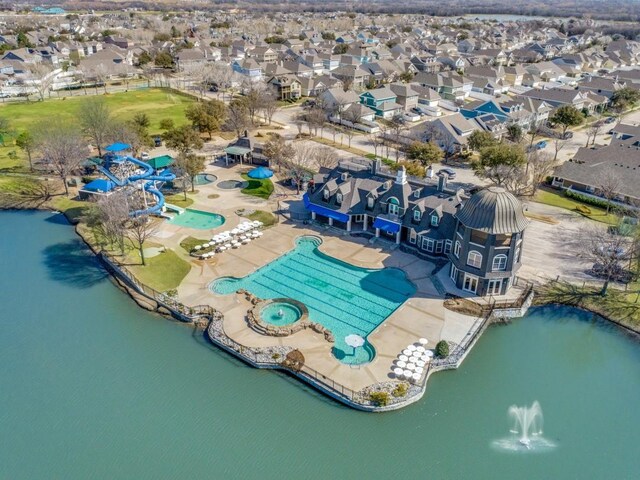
447 246
434 220
358 218
326 194
454 273
478 237
456 252
427 244
417 215
439 245
499 263
339 198
474 259
393 206
412 236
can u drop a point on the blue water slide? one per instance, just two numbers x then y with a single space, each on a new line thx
150 185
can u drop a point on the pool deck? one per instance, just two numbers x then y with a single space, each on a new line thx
423 315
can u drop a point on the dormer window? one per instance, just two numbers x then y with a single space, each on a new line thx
370 203
417 215
434 220
325 194
339 198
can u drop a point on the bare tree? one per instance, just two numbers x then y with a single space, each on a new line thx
139 229
375 142
540 165
593 130
278 151
609 186
62 147
238 116
108 218
558 145
299 167
269 105
325 157
95 120
397 127
254 94
316 118
609 253
41 76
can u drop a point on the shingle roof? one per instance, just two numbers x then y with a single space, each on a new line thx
494 211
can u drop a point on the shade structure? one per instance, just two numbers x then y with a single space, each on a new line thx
260 172
118 147
354 340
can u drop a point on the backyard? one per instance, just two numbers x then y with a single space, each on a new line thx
558 199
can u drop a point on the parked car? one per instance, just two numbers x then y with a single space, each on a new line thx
417 111
541 144
450 173
567 135
157 141
610 120
144 156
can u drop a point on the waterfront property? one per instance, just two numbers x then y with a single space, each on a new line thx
481 235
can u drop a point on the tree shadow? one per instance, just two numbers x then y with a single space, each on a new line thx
73 264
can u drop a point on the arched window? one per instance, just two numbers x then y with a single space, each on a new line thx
456 251
474 259
499 263
393 206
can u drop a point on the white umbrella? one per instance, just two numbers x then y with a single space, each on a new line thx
407 352
411 347
398 372
401 364
354 341
420 349
414 359
408 373
419 370
411 366
428 354
404 358
421 363
416 376
423 341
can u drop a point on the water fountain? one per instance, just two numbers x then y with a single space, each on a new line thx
280 313
526 430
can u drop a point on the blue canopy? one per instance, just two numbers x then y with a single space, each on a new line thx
260 172
386 225
118 147
99 185
324 211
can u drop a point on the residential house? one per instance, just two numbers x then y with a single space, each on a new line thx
287 87
382 101
405 95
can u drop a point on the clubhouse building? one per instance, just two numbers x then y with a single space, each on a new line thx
480 235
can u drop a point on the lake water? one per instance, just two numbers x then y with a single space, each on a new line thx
91 386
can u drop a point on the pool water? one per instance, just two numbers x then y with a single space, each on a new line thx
280 314
204 179
198 219
344 298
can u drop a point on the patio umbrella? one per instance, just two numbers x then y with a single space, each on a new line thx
260 172
423 341
354 341
404 358
401 363
398 372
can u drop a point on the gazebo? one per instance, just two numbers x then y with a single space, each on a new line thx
237 154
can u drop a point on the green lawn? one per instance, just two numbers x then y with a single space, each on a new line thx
178 200
557 199
157 103
262 188
267 218
163 272
189 243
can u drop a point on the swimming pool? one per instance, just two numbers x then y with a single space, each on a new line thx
198 219
343 298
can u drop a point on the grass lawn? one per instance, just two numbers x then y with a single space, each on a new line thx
267 218
178 200
619 306
73 209
163 272
157 103
557 199
262 188
189 243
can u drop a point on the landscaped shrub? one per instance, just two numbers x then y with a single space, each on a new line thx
400 390
442 349
379 398
596 202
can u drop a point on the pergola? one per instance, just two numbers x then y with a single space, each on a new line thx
237 154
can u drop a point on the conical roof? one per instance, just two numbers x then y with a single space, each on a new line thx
494 211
